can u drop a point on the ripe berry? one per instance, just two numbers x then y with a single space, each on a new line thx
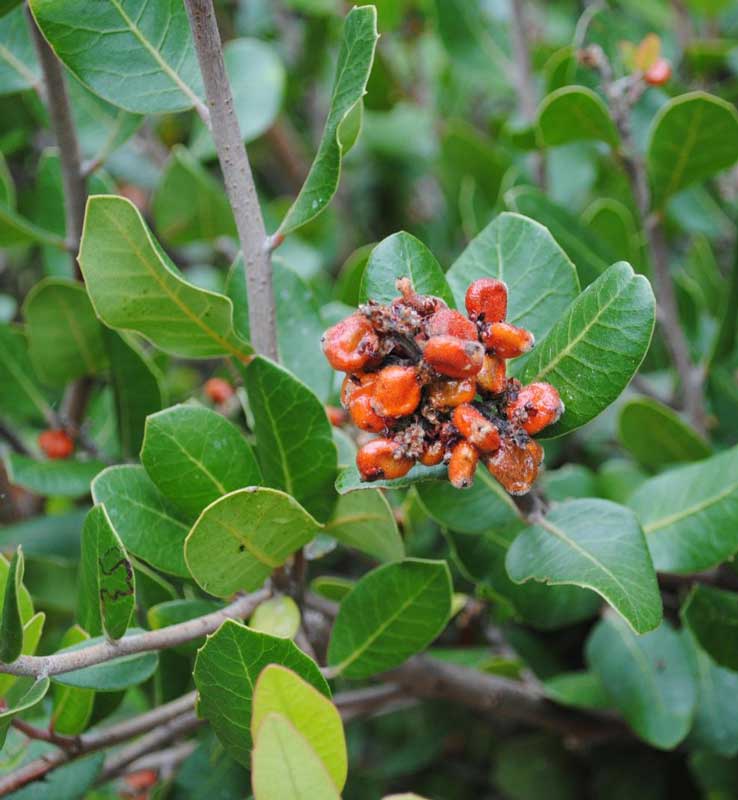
463 463
396 392
486 299
218 390
658 73
433 454
492 377
350 344
449 394
515 467
56 444
363 415
454 357
381 458
536 406
507 341
447 322
356 382
476 428
336 416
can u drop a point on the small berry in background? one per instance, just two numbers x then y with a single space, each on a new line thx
219 391
56 444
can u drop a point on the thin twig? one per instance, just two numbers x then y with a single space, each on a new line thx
44 735
239 181
164 761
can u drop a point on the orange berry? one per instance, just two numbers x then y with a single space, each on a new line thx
423 304
218 390
486 299
56 443
381 458
507 341
142 779
454 357
336 416
463 464
514 466
492 377
363 415
356 382
447 322
449 394
350 344
433 454
658 73
536 406
476 428
396 392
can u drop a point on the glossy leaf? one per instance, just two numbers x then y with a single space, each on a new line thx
650 679
573 113
64 477
365 521
64 336
107 591
195 455
294 440
657 436
540 278
25 694
582 350
133 38
147 524
596 544
240 539
392 613
402 256
11 621
690 514
19 69
226 670
712 616
72 707
280 691
134 286
352 73
692 137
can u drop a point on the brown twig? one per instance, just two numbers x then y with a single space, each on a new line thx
13 440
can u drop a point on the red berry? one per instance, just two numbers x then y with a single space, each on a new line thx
381 458
514 466
492 377
363 415
658 73
433 454
447 322
507 341
454 357
218 390
450 393
350 344
56 443
396 392
536 406
463 464
486 299
476 428
356 382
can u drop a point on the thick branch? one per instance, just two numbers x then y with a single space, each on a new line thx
171 636
239 181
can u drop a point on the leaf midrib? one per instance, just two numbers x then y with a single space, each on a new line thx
678 516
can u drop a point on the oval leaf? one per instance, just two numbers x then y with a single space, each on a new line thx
712 616
573 113
364 520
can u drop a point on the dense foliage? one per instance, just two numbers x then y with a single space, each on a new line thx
201 596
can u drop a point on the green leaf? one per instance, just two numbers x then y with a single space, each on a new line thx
19 69
692 137
240 539
581 356
226 670
613 225
403 256
60 478
280 691
11 622
257 78
110 676
712 616
573 113
596 544
22 397
64 336
134 286
393 612
540 278
189 204
147 525
349 479
32 630
657 436
286 767
135 41
277 616
195 455
364 520
172 612
690 514
25 693
107 590
578 690
331 587
294 439
650 679
72 708
352 72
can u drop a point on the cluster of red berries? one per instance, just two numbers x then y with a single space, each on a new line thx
433 383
